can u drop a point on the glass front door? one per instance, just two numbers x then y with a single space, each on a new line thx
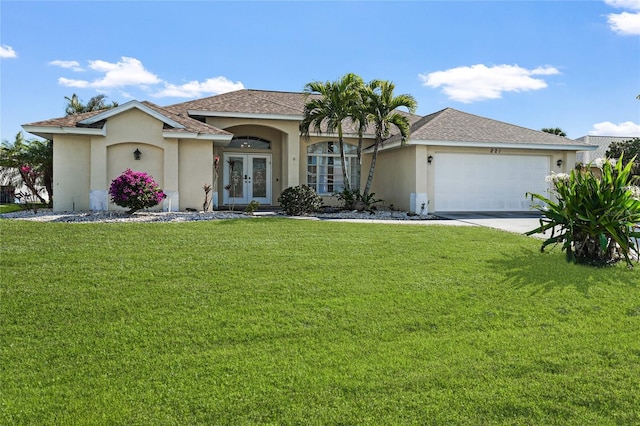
247 177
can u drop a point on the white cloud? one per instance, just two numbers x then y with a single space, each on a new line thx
129 72
624 4
126 72
606 128
479 82
624 23
194 89
72 65
7 52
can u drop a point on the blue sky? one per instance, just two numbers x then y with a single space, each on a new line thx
568 64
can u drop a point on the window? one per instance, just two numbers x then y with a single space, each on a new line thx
324 169
249 142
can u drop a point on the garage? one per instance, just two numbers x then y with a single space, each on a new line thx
487 182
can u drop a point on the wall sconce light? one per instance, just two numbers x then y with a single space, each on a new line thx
559 163
136 154
430 159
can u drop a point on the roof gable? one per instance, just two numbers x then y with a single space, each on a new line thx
92 123
105 114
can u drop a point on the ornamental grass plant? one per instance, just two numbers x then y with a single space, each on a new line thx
595 214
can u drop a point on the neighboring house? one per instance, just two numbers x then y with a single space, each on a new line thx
602 146
453 161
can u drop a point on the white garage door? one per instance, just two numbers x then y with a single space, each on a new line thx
478 182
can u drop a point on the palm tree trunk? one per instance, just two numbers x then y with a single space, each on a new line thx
359 165
372 168
343 162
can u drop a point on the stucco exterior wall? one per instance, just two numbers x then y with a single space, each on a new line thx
113 153
404 178
398 174
195 170
120 158
278 141
71 172
286 162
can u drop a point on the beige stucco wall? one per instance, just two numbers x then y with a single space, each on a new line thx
285 152
400 172
126 132
71 172
195 171
120 158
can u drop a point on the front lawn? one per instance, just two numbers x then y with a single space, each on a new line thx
10 208
278 321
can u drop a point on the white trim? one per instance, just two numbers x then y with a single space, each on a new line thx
536 146
67 130
193 135
204 113
125 107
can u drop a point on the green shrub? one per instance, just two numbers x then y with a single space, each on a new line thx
596 214
299 200
252 207
351 199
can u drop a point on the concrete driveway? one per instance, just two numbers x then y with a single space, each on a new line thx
517 222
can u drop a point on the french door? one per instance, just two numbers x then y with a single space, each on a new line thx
247 177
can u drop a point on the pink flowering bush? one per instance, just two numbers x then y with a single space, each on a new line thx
135 191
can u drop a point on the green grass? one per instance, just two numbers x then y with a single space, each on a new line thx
10 208
276 321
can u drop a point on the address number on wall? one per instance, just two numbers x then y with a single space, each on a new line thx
496 150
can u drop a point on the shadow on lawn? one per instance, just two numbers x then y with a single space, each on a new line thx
545 272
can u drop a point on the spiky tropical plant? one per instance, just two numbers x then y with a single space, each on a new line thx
595 215
381 107
328 111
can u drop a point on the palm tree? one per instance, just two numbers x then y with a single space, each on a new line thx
96 103
336 102
381 108
555 131
358 116
29 162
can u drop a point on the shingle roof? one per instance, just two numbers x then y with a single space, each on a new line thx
451 125
248 101
68 121
190 125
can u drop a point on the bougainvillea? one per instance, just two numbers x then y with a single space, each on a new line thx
135 191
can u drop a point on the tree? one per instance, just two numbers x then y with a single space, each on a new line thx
96 103
381 107
335 104
628 150
29 162
555 131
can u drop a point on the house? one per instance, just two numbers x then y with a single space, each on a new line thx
602 146
453 161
